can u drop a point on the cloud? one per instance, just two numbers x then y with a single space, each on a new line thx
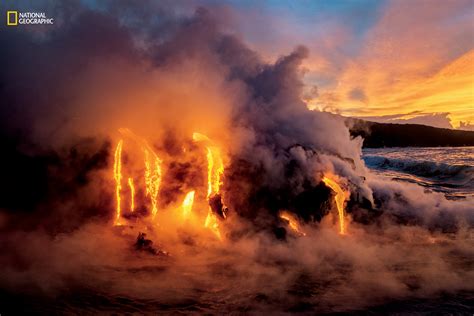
467 126
441 120
415 57
358 94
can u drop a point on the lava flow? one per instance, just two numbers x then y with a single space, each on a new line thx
215 169
118 179
292 222
340 198
188 204
152 177
153 172
132 194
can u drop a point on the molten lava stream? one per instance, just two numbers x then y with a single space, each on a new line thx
215 170
292 222
118 179
153 173
132 194
152 177
188 204
340 199
212 223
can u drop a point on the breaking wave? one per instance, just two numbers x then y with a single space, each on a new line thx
446 170
462 174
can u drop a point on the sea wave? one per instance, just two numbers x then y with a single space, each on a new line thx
444 174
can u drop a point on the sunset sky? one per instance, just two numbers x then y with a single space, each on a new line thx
395 60
392 61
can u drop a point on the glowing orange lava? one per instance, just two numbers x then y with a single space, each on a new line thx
214 164
340 199
152 177
118 179
215 170
292 222
212 223
132 194
188 204
152 174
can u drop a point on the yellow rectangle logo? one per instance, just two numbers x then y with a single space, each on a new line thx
12 18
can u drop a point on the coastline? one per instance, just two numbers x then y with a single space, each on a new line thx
379 135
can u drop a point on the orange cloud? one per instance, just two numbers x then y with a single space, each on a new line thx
419 56
449 90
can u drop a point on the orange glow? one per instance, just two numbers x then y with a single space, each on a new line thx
118 179
198 137
292 222
214 163
153 174
340 199
215 170
132 194
152 177
212 223
188 204
448 90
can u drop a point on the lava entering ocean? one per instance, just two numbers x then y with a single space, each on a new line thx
340 198
214 195
215 171
153 181
229 196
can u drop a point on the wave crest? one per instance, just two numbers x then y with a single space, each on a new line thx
459 174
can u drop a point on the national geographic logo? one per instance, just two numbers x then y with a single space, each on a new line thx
15 18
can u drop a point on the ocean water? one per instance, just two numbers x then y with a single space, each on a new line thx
449 170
